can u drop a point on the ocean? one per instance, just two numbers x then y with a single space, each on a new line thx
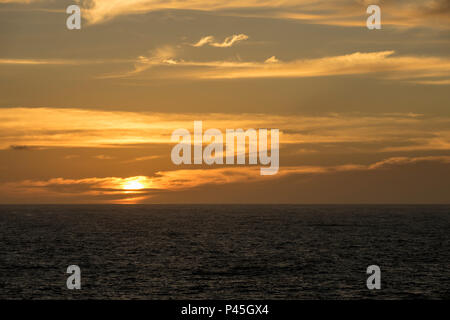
224 251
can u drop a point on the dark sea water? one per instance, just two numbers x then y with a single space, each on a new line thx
224 252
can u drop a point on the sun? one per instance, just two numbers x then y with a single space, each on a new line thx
133 185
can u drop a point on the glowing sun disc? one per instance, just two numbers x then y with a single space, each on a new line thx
133 185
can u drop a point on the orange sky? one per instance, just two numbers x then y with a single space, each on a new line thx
86 115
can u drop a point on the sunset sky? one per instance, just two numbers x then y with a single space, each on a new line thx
86 116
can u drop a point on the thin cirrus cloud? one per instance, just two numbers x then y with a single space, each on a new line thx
40 62
33 128
18 1
121 189
350 13
334 12
400 67
62 62
382 64
228 42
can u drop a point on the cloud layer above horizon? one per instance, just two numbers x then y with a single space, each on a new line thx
86 116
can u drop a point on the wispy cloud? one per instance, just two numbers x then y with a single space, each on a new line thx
103 157
427 13
60 61
18 1
228 42
38 61
397 161
424 70
147 158
382 64
144 158
161 56
203 41
444 82
401 13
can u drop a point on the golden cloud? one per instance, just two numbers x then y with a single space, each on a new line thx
70 127
134 189
383 64
228 42
334 12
